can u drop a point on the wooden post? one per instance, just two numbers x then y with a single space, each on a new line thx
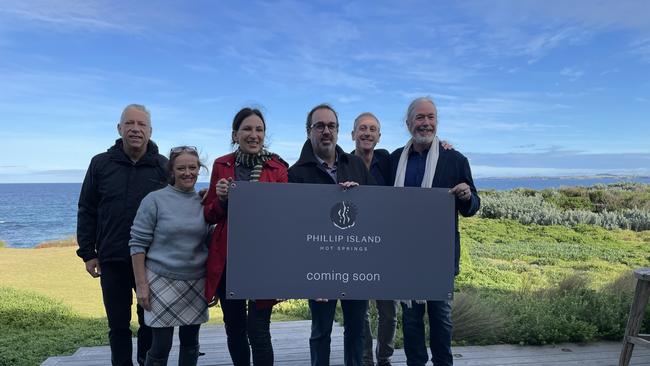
632 337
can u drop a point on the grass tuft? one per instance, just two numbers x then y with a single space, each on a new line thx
35 327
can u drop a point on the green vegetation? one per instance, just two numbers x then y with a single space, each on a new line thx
625 206
68 242
34 327
2 244
521 282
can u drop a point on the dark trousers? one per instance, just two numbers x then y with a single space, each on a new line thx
243 325
188 335
118 283
386 325
440 328
322 318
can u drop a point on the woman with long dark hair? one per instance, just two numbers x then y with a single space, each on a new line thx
246 321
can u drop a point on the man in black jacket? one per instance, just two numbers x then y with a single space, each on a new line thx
115 183
323 161
366 134
424 162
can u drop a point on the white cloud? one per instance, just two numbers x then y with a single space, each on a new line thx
571 73
641 48
345 99
83 14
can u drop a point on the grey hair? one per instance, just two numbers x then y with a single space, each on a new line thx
417 101
139 107
362 115
321 106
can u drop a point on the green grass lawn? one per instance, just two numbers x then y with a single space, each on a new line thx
526 284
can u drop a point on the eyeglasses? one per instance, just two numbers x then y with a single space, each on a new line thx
180 149
320 126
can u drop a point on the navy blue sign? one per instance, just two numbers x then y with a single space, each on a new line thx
298 241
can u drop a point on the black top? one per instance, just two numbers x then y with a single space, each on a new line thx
452 169
110 196
380 166
348 168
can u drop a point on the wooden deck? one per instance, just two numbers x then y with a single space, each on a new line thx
291 346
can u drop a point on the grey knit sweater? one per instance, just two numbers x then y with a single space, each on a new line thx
169 227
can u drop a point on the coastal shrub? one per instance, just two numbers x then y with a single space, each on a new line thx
35 327
67 242
297 309
601 197
476 320
571 311
538 208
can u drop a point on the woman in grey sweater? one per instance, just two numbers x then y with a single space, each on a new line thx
168 250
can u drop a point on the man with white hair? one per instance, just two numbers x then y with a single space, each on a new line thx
115 183
423 162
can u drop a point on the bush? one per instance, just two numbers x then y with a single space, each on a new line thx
35 327
298 309
476 320
610 208
569 312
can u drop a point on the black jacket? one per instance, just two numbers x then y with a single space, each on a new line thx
348 168
381 158
452 169
110 197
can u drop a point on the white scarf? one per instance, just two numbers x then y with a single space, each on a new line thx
429 170
427 180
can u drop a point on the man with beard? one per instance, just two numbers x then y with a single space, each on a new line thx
322 161
115 183
423 162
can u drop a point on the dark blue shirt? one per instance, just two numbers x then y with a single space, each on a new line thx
376 171
417 163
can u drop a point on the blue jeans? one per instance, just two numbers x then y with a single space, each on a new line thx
440 328
322 318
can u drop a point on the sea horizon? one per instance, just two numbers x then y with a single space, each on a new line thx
35 213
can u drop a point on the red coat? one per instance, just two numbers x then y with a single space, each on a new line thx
274 170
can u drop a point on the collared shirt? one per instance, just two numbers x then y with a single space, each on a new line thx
415 167
376 172
330 170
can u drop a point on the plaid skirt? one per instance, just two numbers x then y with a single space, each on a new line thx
175 302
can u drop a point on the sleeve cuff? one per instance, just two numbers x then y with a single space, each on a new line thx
136 249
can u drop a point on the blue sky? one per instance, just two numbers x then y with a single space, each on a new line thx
522 87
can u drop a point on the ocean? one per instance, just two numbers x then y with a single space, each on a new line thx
31 214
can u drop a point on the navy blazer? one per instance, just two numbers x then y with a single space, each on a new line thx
451 170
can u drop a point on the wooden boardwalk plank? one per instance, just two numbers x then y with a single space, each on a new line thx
291 347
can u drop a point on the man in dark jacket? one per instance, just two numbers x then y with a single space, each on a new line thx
366 134
115 183
423 162
322 161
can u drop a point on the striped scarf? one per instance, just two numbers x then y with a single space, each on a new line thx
253 162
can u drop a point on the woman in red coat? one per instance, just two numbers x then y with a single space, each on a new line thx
250 162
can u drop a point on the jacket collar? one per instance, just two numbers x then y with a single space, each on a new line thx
149 158
307 156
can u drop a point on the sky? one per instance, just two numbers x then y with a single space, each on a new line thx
523 88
